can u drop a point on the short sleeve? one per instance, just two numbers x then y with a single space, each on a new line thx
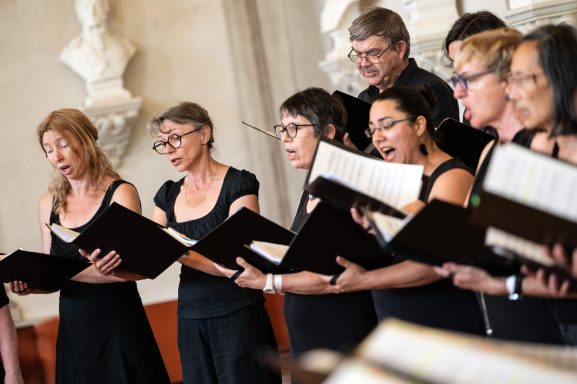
162 197
3 298
242 184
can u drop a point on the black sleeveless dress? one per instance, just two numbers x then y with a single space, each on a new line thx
438 305
103 335
529 319
337 322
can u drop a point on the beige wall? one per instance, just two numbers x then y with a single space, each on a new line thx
184 53
238 58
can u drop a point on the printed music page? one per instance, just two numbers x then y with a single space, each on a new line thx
395 184
450 358
534 180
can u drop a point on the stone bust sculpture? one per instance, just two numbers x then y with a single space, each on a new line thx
97 55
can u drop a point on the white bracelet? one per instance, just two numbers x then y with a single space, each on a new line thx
268 286
278 284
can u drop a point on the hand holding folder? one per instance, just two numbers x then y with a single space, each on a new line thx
39 270
326 234
144 247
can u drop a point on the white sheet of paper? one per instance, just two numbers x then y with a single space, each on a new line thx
395 184
532 179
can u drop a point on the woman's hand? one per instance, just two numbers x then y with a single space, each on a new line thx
250 277
361 220
19 287
106 265
557 253
473 278
352 279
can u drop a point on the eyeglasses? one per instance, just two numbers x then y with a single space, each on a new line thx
373 56
387 124
291 129
519 80
464 80
175 141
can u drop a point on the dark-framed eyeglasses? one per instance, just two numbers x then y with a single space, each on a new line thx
373 56
291 129
387 124
464 80
175 141
519 80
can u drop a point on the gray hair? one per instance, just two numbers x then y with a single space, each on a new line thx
380 22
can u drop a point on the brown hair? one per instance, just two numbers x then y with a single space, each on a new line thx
183 113
381 22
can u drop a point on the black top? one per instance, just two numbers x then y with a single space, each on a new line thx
530 319
3 298
105 321
440 304
337 322
413 76
445 166
201 295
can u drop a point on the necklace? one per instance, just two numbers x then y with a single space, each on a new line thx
203 194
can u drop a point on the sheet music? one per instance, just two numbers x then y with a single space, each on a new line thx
388 226
538 181
359 371
270 251
450 358
518 245
395 184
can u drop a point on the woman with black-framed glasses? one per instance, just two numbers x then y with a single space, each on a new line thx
402 131
220 325
316 316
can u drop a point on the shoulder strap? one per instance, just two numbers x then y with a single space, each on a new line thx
555 153
442 168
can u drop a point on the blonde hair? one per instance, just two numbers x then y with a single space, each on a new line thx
81 135
494 47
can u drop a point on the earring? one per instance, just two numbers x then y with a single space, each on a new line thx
423 149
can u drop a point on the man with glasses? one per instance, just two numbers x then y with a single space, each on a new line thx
380 48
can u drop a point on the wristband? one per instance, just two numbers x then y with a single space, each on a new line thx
268 286
514 285
277 283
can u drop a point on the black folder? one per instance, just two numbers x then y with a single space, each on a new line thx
524 221
144 247
326 234
462 141
357 118
329 232
227 241
39 270
443 232
344 198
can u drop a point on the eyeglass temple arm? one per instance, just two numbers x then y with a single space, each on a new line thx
271 134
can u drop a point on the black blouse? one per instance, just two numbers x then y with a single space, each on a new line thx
201 295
